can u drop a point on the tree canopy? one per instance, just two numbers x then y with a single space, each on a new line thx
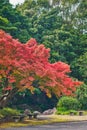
24 65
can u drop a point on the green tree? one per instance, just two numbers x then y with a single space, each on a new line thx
81 95
13 22
58 28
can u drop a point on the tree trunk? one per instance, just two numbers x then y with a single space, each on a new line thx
5 98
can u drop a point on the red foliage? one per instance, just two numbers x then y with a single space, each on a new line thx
8 88
22 64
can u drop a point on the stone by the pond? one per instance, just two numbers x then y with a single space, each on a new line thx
50 111
36 112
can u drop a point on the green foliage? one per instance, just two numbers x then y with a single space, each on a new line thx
61 109
68 103
3 21
13 22
60 28
82 64
1 116
9 112
81 95
66 112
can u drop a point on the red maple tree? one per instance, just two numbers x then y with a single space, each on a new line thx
24 65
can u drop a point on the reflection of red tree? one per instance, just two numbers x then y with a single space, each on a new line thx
23 64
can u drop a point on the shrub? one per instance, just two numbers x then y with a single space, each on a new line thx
73 111
68 103
9 112
61 109
81 95
67 112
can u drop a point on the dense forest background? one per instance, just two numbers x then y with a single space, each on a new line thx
60 25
